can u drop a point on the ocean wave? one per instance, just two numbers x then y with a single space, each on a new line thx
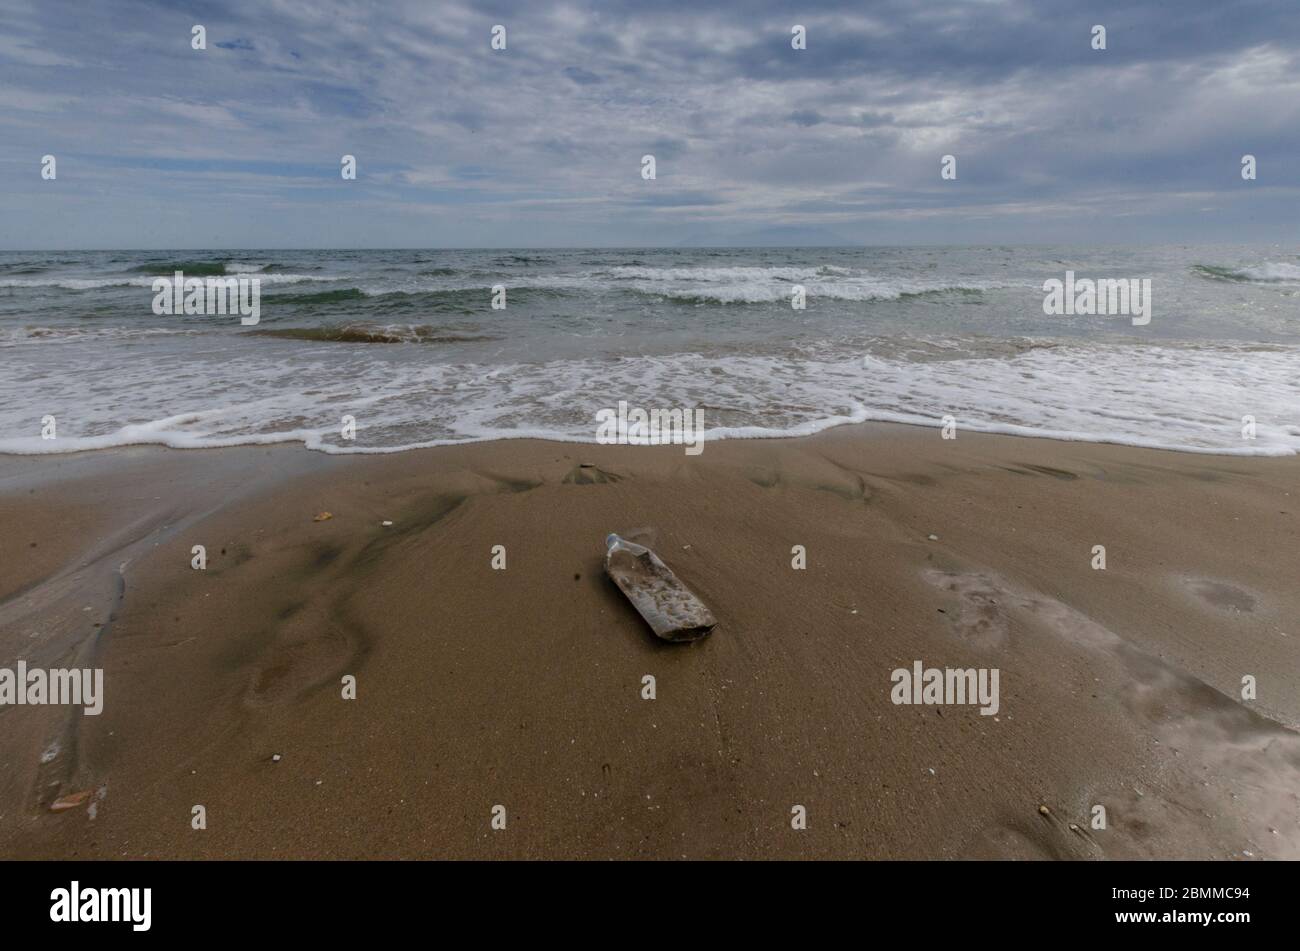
11 336
764 285
338 296
366 333
191 268
1188 398
770 293
511 259
98 283
77 283
277 278
456 299
1279 272
714 274
274 268
218 268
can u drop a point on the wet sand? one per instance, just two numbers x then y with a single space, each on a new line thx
523 687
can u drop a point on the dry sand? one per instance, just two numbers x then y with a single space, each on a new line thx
523 687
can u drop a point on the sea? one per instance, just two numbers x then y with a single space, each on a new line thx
409 345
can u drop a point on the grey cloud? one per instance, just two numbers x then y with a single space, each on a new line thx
744 128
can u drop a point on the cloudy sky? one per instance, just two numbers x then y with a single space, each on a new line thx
159 145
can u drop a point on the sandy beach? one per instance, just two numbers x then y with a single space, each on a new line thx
523 687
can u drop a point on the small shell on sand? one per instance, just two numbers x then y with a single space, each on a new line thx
70 801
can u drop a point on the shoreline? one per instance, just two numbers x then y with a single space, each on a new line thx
1011 430
521 687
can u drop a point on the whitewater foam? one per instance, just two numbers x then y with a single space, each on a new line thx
1119 394
895 335
1271 272
98 283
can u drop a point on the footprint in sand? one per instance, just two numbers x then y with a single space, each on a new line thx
587 474
292 669
1226 744
1221 595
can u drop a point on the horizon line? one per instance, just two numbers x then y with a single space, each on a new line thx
652 247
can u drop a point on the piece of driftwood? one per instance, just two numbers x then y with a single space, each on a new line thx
667 605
